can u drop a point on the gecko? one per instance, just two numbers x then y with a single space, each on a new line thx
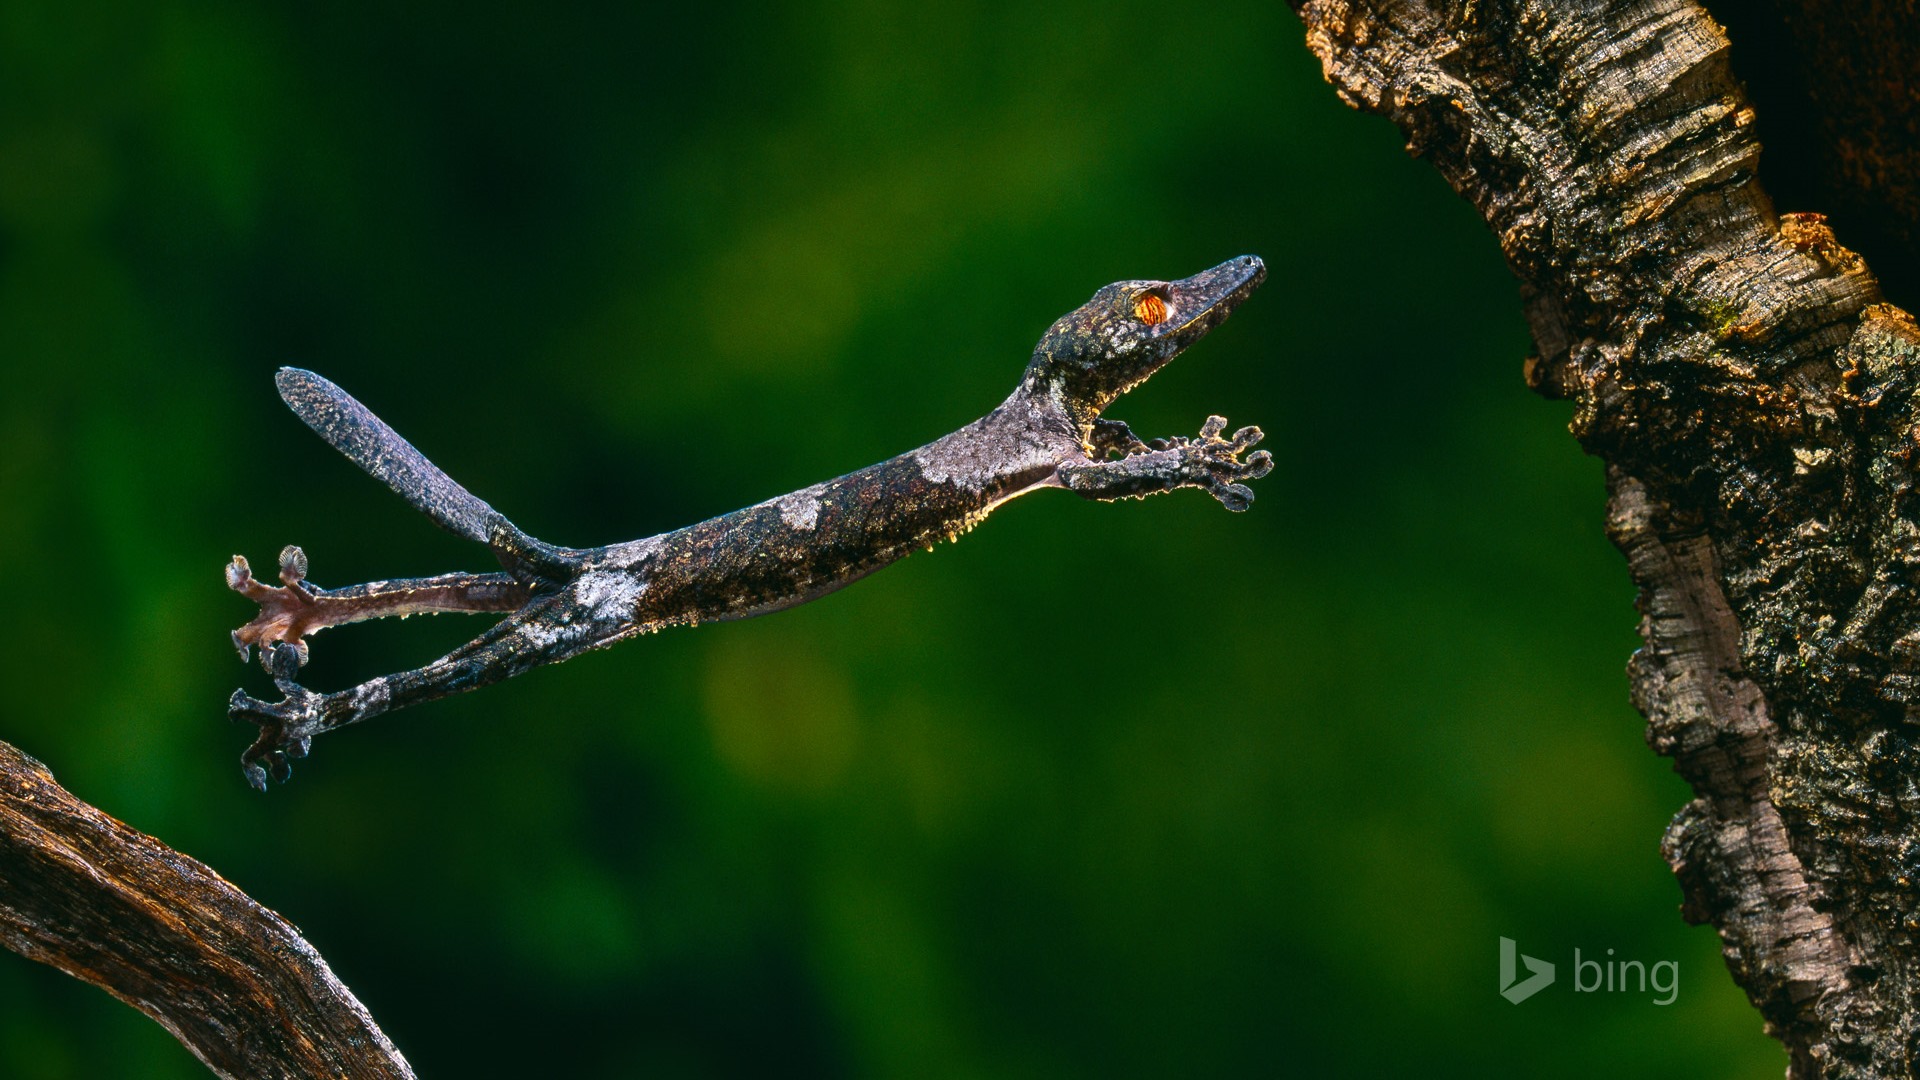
560 602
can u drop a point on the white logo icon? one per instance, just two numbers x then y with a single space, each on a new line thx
1518 992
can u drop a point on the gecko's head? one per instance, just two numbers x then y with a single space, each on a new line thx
1130 329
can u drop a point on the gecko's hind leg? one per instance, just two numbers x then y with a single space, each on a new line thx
294 609
287 726
549 628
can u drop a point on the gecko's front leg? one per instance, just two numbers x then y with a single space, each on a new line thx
1210 463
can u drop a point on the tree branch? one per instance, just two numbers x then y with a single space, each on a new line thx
231 980
1755 404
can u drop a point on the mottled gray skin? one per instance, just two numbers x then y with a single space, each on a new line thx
782 552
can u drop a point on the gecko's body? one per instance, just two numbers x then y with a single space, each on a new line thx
782 552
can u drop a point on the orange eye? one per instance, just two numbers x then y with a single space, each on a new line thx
1150 309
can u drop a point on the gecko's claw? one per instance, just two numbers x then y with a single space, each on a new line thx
287 727
1217 461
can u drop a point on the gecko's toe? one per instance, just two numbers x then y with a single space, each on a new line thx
239 574
283 661
1218 461
242 706
293 565
256 776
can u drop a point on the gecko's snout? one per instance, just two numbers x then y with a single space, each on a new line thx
1204 300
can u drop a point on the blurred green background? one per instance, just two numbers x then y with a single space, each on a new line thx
619 268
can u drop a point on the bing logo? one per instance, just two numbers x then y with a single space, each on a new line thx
1540 978
1589 976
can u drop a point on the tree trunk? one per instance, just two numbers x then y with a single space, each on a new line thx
231 980
1754 401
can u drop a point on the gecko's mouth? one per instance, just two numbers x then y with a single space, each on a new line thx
1203 301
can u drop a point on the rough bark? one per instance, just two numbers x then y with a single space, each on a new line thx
1754 400
231 980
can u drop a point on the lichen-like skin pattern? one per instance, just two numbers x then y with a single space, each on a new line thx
785 551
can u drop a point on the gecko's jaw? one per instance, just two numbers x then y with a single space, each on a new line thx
1203 301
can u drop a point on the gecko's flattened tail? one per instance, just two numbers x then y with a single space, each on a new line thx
371 444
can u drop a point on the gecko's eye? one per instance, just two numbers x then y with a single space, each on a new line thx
1150 309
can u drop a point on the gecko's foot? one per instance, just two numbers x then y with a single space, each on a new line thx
1216 463
287 612
287 727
